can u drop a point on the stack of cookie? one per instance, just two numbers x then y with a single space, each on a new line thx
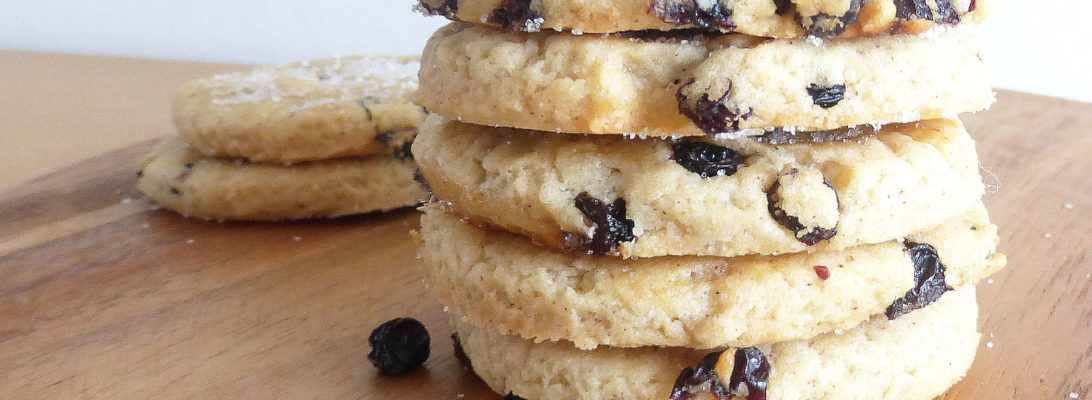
322 138
673 199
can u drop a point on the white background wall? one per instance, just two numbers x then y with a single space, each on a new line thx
1038 46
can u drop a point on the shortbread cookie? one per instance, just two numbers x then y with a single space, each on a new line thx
312 110
186 182
776 18
651 85
702 196
915 357
498 280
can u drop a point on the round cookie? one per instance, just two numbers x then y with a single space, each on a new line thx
702 196
193 185
497 280
312 110
915 357
611 84
778 18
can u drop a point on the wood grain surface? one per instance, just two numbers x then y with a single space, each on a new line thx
104 297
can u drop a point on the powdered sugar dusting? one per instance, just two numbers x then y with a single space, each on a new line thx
308 84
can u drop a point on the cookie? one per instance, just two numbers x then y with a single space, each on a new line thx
184 181
703 196
497 279
312 110
915 357
777 18
658 85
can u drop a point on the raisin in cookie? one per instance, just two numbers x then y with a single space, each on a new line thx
498 279
915 357
703 196
184 181
305 111
692 85
776 18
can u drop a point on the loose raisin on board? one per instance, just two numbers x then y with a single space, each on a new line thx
445 8
706 14
944 11
706 159
826 25
711 116
826 96
399 346
611 225
929 282
807 236
516 15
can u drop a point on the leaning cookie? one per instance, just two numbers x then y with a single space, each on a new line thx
664 84
497 279
777 18
186 182
703 196
313 110
915 357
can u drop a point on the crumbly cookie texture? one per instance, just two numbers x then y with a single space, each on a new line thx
702 196
184 181
497 280
769 18
915 357
305 111
669 85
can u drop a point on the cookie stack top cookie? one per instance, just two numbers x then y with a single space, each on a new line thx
694 82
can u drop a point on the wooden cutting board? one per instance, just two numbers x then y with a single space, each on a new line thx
102 296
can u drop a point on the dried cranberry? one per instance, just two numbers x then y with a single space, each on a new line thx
459 353
974 5
750 368
399 346
611 225
712 117
691 381
511 396
706 159
826 25
945 12
706 14
792 223
826 96
447 8
783 6
822 271
929 282
516 15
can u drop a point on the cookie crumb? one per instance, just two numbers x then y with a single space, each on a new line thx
989 345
